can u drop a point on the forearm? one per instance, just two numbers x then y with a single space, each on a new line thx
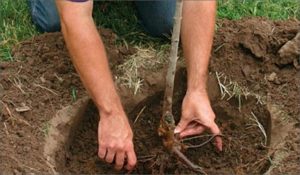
197 36
90 60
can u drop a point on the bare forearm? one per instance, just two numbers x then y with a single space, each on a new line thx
197 35
90 60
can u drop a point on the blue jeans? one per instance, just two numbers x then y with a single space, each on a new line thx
155 16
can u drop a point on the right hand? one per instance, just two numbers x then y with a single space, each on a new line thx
115 140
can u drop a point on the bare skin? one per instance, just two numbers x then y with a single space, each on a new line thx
90 60
196 36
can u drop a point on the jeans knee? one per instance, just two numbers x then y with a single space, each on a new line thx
160 27
156 16
46 25
44 15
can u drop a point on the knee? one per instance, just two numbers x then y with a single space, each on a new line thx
44 15
159 27
156 16
46 24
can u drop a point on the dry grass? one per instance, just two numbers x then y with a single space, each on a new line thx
146 58
260 126
230 89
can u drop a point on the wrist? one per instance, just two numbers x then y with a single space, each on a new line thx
109 105
197 88
199 92
197 82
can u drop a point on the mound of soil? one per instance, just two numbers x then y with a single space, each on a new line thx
39 82
42 80
247 52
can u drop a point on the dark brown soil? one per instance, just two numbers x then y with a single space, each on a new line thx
43 79
246 51
243 151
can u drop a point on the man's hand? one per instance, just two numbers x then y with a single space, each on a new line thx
197 116
115 140
90 60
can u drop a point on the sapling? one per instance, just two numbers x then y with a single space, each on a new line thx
167 122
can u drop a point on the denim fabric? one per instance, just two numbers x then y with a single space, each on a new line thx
44 15
155 16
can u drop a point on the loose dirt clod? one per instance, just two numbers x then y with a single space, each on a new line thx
290 52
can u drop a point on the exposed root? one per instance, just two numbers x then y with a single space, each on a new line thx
204 143
196 137
185 160
146 158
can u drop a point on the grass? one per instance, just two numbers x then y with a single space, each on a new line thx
74 93
16 25
145 57
45 128
272 9
230 89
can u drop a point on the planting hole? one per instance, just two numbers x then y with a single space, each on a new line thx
244 133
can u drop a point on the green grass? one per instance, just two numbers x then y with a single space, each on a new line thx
272 9
15 22
15 25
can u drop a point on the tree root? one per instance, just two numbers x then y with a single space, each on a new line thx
187 161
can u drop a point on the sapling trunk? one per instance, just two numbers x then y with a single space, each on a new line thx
167 122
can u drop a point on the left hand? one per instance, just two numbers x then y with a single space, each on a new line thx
197 116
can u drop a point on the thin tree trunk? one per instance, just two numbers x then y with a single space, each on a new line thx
167 105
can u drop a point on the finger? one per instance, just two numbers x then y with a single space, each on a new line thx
216 131
191 125
110 156
131 159
219 143
192 131
181 126
101 152
119 160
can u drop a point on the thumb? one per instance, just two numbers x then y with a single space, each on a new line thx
181 126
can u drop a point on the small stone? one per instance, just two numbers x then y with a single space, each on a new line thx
277 82
272 76
246 70
43 80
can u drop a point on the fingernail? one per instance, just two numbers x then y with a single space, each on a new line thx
176 131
